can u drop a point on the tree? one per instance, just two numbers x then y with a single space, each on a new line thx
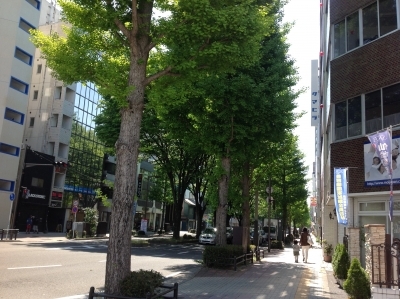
121 47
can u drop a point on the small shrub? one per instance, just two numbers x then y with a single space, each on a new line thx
141 233
69 234
276 244
91 218
215 255
138 283
357 284
340 261
84 234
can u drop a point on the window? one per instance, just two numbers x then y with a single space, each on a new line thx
35 94
23 56
6 185
24 25
387 16
34 3
39 69
348 120
54 120
36 182
370 23
19 85
14 116
31 122
354 117
373 120
9 149
377 19
353 31
339 39
391 105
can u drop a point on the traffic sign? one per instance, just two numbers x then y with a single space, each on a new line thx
12 196
74 209
76 202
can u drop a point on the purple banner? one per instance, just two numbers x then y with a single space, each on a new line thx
382 143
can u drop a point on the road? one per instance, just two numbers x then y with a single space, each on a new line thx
54 270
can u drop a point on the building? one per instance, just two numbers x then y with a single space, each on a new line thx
60 123
16 58
359 94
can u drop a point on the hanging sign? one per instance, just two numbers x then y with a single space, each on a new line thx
341 198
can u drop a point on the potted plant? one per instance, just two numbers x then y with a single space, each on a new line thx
328 250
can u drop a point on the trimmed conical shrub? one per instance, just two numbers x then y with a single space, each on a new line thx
340 261
357 284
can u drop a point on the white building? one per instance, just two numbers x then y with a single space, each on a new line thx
16 59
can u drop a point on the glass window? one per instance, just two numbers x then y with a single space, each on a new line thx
387 16
31 122
39 69
354 116
373 120
36 182
370 23
35 94
372 206
24 25
391 105
340 120
19 85
353 31
23 56
339 39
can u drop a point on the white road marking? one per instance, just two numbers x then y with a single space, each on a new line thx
75 297
173 274
103 261
183 252
34 267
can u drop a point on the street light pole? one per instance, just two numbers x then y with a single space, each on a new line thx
269 197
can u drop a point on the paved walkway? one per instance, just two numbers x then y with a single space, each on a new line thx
275 276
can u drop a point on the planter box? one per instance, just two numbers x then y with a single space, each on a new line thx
328 258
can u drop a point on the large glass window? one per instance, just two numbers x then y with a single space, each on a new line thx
354 117
373 120
340 120
387 16
340 37
353 31
391 105
370 23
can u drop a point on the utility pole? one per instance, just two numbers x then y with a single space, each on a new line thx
269 198
256 237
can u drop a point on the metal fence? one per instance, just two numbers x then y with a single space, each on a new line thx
385 259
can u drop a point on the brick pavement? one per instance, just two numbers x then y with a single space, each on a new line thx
275 276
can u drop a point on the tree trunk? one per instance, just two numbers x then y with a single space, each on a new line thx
223 185
118 264
246 208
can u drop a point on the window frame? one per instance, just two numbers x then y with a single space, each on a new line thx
21 122
12 184
32 2
26 23
17 149
19 81
17 49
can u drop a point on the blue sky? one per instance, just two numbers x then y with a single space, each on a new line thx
304 41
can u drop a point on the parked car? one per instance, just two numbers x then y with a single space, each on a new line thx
207 236
262 237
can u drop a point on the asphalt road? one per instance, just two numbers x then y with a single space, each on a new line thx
54 270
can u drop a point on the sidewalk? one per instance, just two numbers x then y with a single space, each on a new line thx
276 276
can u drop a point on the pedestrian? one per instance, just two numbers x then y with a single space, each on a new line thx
296 251
304 244
309 239
28 225
35 225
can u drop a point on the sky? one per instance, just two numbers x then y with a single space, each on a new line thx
304 47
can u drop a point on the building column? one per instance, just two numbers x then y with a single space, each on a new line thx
375 258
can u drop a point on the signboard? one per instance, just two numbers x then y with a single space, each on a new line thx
375 171
76 203
314 93
74 209
340 189
55 204
12 196
139 185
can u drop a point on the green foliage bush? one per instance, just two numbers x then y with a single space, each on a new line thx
276 244
138 283
214 255
340 261
357 284
91 218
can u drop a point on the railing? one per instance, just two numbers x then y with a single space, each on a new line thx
173 289
386 264
234 261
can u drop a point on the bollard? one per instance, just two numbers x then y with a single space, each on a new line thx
175 290
91 292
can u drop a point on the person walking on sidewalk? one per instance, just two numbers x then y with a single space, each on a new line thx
28 225
305 246
296 251
35 225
